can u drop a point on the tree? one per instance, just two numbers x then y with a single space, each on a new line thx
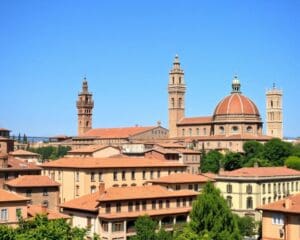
19 138
211 218
293 162
211 161
25 138
252 149
145 228
296 150
232 160
246 225
163 235
276 151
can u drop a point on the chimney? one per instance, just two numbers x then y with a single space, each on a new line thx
101 188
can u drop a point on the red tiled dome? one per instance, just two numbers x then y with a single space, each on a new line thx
236 103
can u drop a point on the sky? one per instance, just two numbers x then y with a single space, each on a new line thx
126 50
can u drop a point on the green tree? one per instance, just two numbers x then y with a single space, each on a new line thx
50 152
25 138
145 228
293 162
252 149
19 138
232 160
276 151
246 225
259 162
296 150
211 161
7 233
163 235
211 218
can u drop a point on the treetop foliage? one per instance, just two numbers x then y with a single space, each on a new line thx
51 152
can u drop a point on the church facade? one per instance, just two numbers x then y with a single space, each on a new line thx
235 119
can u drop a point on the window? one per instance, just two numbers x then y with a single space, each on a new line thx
184 202
137 206
277 219
117 227
158 173
4 214
59 175
169 172
179 102
178 202
249 189
229 188
18 212
196 187
144 205
234 129
172 102
144 175
167 203
204 131
93 189
77 177
107 208
118 207
151 174
179 80
123 175
269 187
269 199
89 222
45 204
45 192
160 204
197 132
92 177
264 201
115 176
190 132
190 201
28 193
249 129
177 187
183 132
221 129
249 203
153 204
100 176
292 186
264 189
130 206
297 185
105 226
190 186
77 190
132 175
229 201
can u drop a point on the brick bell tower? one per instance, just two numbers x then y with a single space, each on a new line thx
176 90
85 105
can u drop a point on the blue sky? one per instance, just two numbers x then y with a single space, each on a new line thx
126 49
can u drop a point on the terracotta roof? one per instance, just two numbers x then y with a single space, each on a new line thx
21 164
90 149
209 175
87 202
116 132
135 214
182 178
187 151
32 181
163 150
195 120
33 210
110 162
236 103
170 145
260 172
142 192
6 196
290 204
4 129
21 152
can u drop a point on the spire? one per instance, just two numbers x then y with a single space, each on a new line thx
84 85
236 86
176 63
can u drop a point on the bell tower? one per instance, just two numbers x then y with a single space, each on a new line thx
85 106
176 90
274 112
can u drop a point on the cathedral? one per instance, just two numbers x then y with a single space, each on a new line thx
235 119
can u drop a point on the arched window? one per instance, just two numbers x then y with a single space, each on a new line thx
190 131
173 80
229 201
229 188
204 131
179 81
249 189
221 129
179 102
172 102
234 129
87 123
249 203
45 203
249 129
197 131
271 103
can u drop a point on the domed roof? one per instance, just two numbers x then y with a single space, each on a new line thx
236 103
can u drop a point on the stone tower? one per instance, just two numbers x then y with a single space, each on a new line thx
176 89
274 112
85 106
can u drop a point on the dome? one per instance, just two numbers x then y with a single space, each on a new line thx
236 104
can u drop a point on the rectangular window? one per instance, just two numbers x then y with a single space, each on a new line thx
264 189
190 186
153 204
158 173
167 203
123 175
184 202
4 214
28 193
137 206
45 192
130 206
132 175
105 226
269 187
93 177
178 202
100 176
177 187
107 208
144 175
144 205
115 176
118 207
196 188
117 227
277 219
160 204
151 174
77 176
